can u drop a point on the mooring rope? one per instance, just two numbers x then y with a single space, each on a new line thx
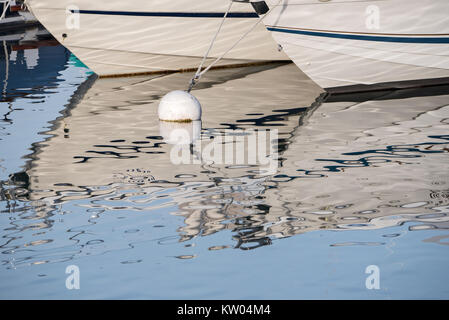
5 86
196 78
197 75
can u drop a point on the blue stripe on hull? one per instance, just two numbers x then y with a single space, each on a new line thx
171 14
398 39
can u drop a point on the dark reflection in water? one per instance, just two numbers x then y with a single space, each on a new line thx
31 61
394 153
101 180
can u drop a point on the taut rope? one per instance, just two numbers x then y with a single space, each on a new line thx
196 78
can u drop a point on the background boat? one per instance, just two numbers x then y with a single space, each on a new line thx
13 15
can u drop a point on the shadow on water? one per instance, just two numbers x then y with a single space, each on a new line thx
338 158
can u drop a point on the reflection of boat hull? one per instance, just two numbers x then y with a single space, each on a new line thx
363 42
153 36
77 147
365 186
102 148
340 168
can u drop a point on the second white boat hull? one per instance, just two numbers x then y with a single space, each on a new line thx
339 43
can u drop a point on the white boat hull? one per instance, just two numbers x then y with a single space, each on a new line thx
339 43
116 38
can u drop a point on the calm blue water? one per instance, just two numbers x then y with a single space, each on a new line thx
86 180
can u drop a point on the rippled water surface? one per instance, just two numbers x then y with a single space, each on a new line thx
86 179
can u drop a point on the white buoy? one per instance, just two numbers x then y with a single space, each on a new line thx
179 106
